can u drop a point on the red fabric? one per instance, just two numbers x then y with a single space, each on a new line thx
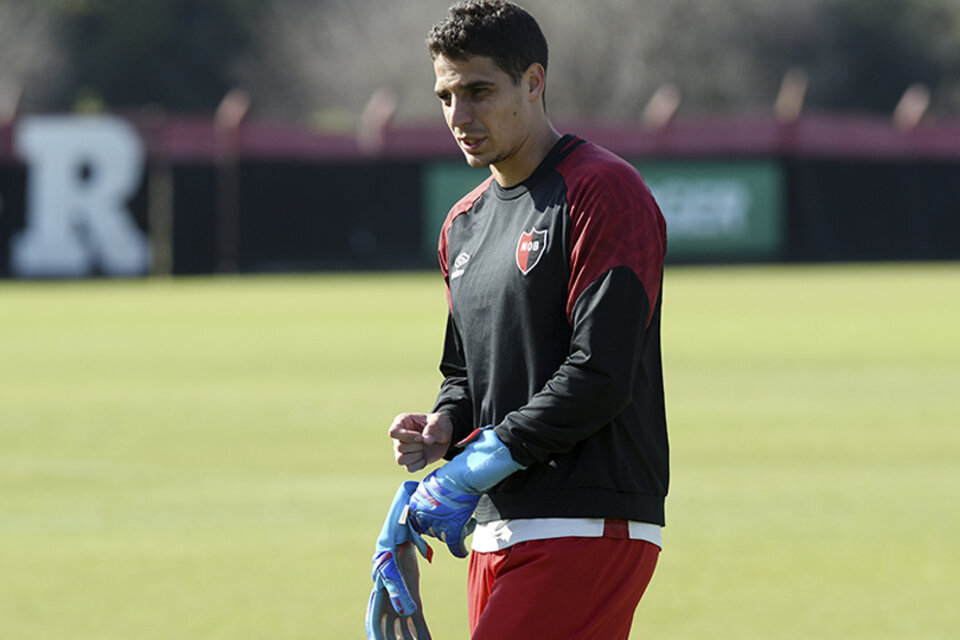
562 588
461 207
619 529
615 222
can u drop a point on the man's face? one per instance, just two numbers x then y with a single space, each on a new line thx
487 112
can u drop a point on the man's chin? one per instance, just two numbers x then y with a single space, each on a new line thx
476 162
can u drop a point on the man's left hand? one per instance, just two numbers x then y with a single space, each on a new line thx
443 504
441 510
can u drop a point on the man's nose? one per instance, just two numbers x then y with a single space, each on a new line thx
460 114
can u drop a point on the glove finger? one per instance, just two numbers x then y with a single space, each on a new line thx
416 628
409 570
388 574
376 618
410 628
383 623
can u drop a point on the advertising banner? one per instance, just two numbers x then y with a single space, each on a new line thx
720 209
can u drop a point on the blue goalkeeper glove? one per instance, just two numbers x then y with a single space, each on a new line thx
394 611
443 503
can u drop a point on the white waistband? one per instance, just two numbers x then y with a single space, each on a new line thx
500 534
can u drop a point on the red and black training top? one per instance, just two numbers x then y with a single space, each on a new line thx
554 336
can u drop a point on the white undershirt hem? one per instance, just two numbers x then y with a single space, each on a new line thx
500 534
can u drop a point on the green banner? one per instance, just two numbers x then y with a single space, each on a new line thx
726 210
715 209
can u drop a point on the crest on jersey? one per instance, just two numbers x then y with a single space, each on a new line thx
530 248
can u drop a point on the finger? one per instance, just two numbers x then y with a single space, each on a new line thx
407 431
405 435
430 433
437 429
409 459
407 447
416 466
409 421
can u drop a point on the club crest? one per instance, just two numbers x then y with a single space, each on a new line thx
530 248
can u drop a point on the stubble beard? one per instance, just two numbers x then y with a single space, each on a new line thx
478 162
475 162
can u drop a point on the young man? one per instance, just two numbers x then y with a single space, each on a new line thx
553 268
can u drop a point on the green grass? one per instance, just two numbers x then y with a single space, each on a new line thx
207 458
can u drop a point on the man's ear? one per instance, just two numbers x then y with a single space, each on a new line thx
535 81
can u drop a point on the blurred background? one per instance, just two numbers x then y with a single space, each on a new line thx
821 130
319 62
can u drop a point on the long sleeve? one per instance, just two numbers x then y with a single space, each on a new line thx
454 397
598 377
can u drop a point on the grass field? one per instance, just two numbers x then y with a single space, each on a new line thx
206 458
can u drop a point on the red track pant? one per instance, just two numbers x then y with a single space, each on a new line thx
559 589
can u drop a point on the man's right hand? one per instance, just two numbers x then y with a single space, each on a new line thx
420 439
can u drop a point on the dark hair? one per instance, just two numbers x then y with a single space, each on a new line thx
494 29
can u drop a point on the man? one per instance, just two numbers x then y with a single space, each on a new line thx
553 268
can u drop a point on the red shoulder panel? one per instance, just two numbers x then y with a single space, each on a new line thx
615 222
464 205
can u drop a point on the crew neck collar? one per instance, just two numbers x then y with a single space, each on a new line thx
551 160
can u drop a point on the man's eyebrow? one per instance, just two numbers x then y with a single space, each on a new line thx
467 86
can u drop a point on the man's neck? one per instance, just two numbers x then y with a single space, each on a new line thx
521 166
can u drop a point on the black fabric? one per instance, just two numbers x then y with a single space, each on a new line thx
554 337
